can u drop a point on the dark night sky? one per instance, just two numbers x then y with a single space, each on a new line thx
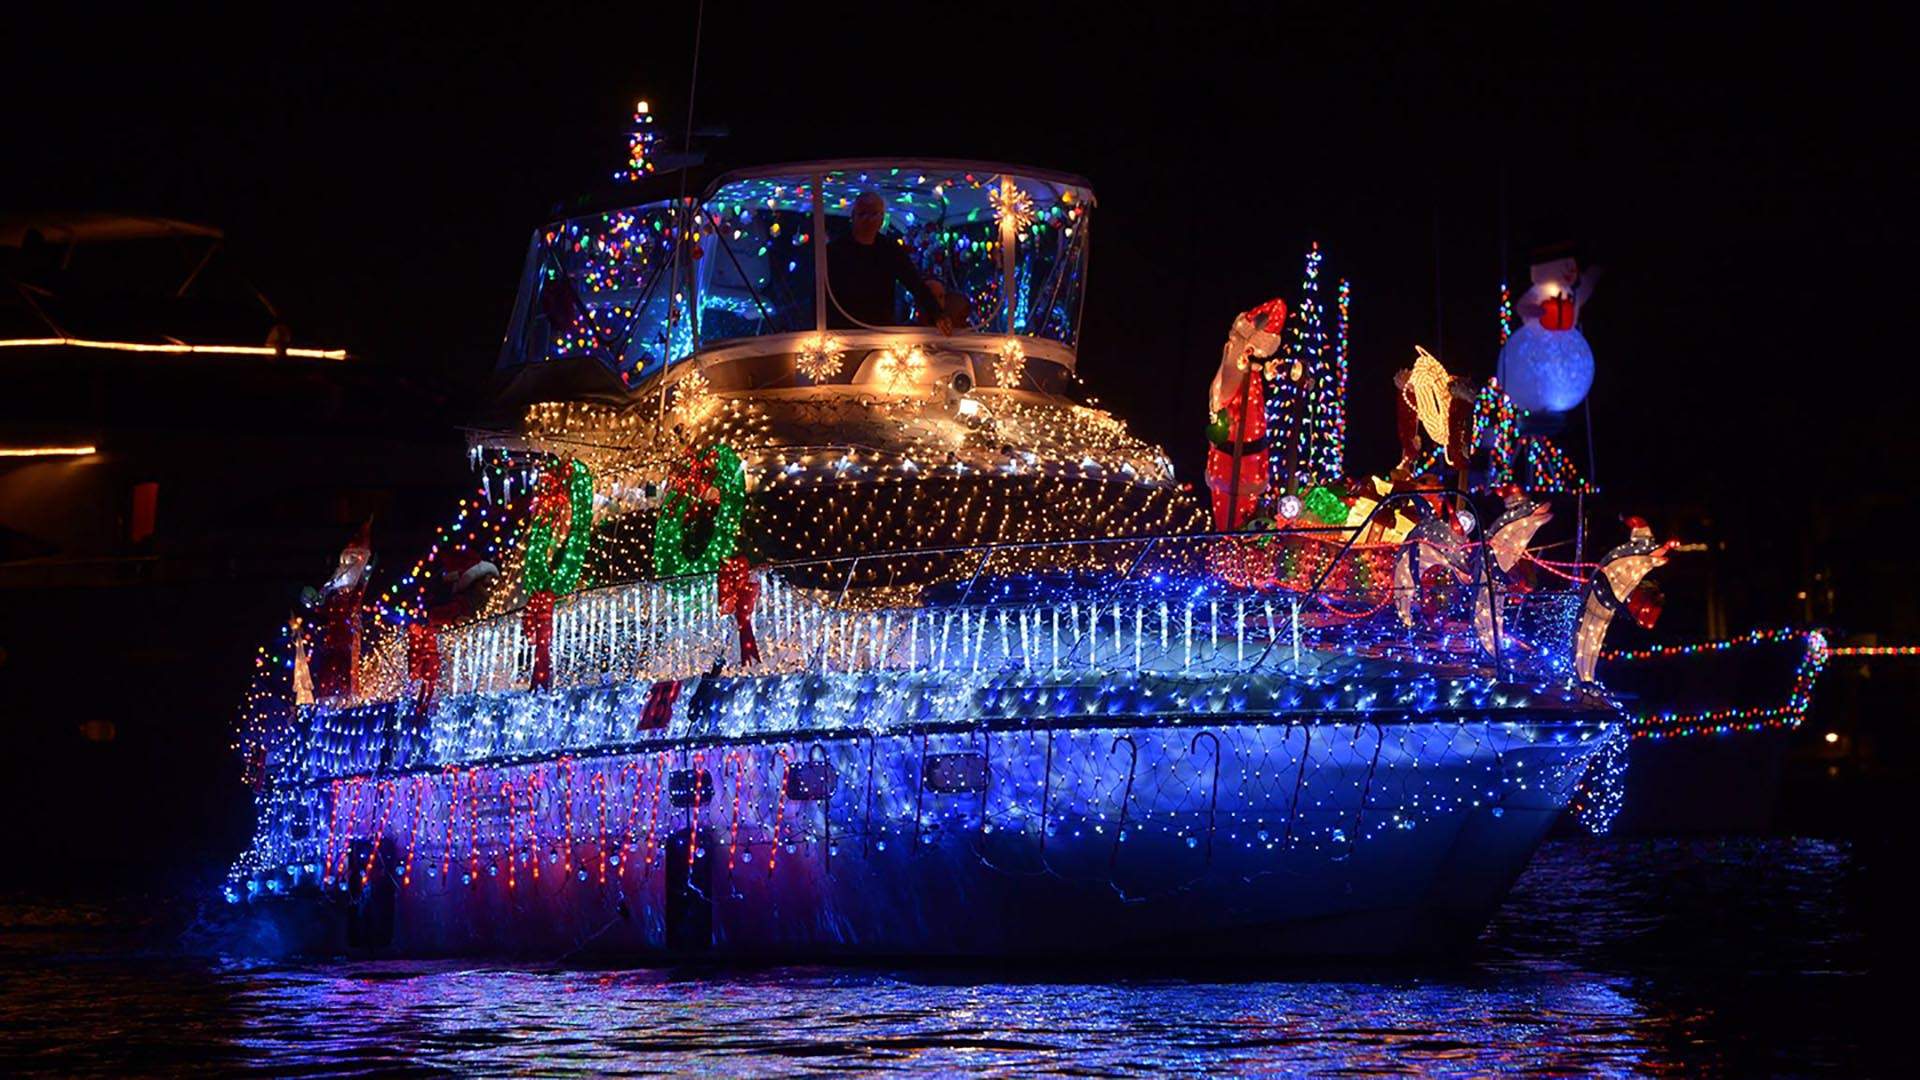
1744 183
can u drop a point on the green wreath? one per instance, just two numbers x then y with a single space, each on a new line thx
544 573
670 556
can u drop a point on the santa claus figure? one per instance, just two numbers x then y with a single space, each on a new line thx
336 662
1237 460
464 580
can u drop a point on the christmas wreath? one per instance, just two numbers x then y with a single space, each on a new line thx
566 509
558 507
710 482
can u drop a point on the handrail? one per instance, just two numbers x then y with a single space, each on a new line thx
813 627
952 549
1385 501
1327 571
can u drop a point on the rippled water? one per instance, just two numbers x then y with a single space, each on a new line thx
1740 957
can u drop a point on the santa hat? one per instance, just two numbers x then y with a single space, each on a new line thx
362 540
1261 327
1268 317
355 558
461 569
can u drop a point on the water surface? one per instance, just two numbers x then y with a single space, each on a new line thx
1738 957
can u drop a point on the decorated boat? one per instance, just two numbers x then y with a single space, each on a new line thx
797 618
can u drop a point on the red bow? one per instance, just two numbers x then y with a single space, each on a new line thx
423 661
738 593
537 622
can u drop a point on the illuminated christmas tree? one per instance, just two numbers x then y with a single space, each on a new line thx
1334 452
1305 402
640 144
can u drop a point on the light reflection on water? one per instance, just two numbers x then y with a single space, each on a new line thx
1613 958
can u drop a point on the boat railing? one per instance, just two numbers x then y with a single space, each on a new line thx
1283 600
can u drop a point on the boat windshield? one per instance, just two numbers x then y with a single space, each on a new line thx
596 287
1014 245
604 286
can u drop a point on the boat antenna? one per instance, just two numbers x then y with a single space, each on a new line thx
693 84
679 207
1504 240
1439 305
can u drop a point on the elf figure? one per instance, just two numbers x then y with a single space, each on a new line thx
1238 431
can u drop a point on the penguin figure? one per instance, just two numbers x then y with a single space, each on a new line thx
1614 580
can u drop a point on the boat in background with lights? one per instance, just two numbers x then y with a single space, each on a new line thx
779 633
1710 723
175 449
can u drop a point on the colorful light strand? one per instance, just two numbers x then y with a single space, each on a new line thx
1788 715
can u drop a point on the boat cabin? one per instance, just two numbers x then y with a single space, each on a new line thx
735 283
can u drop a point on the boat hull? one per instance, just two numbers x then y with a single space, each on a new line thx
1233 840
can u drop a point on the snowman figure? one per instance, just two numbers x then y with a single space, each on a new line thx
1546 365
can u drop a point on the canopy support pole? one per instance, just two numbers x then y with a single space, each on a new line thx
819 254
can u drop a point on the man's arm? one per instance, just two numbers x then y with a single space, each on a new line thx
924 295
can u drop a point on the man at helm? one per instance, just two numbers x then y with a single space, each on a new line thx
863 266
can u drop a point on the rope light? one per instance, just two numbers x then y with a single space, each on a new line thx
174 348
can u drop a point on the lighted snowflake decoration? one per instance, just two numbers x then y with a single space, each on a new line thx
820 357
1011 206
1011 364
899 362
693 396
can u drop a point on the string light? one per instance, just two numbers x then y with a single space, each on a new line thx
1791 713
1531 463
1875 650
640 144
1009 364
1334 451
